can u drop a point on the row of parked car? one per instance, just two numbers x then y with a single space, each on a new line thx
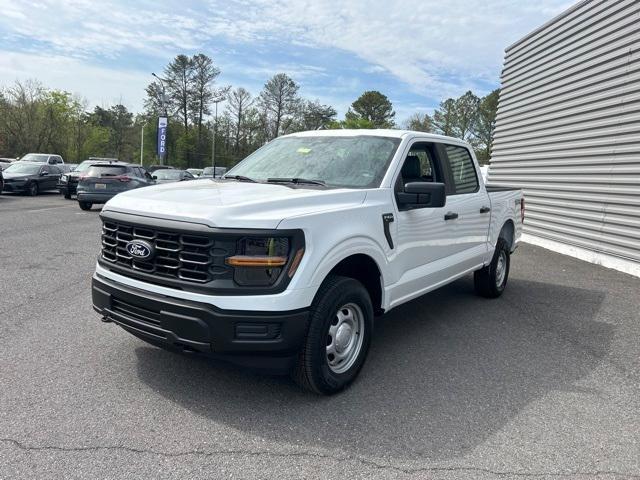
94 181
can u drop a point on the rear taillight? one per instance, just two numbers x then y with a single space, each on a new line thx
123 178
522 209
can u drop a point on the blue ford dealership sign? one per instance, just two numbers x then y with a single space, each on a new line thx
162 136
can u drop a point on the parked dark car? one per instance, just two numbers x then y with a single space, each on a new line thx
170 176
153 168
211 173
30 177
102 181
1 182
69 181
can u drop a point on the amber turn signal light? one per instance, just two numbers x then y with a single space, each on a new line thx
256 261
296 262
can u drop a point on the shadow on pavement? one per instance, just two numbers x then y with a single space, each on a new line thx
445 372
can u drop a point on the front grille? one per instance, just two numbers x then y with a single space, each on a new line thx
178 255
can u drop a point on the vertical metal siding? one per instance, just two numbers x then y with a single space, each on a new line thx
568 128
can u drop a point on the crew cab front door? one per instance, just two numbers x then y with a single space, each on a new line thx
423 239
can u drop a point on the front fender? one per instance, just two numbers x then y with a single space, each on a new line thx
359 245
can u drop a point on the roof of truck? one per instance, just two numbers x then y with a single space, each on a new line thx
381 132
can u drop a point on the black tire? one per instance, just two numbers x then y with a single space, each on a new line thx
85 205
33 189
67 195
313 371
487 280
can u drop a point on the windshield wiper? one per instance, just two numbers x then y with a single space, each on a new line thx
296 180
240 178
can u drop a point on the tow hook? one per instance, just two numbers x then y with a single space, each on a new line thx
106 319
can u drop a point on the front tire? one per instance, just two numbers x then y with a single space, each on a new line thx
491 280
338 339
85 205
67 195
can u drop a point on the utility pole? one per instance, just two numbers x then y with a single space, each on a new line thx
215 131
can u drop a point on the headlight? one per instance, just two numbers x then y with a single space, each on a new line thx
260 261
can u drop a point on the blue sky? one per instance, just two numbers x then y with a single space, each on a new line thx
415 52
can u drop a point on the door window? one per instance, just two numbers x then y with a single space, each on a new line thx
419 166
463 171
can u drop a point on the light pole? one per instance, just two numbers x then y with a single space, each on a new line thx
142 142
215 130
163 102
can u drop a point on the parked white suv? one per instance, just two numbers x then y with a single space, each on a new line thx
284 262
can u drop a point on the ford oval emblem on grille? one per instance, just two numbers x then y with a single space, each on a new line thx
139 249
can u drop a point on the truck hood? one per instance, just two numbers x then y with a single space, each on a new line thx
231 204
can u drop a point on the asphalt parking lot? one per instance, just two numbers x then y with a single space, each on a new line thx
543 382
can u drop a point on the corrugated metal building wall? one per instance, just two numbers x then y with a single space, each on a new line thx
568 132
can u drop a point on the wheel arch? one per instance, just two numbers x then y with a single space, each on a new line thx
362 264
508 232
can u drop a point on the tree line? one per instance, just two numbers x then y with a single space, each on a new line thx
37 119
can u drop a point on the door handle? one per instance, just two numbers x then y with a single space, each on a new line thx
450 216
485 210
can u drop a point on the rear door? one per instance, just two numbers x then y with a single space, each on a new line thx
468 211
53 177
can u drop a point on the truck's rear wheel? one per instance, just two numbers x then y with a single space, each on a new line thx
491 280
340 329
85 205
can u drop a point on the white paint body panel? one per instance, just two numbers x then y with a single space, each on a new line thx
337 223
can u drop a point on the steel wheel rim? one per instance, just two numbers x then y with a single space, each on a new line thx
345 338
501 268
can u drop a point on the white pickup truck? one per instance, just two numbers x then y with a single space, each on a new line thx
284 262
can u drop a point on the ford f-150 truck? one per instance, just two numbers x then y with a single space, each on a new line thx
284 262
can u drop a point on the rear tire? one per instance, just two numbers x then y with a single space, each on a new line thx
85 205
33 189
338 338
67 195
491 280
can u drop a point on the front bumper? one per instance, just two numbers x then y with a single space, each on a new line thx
14 187
264 340
68 188
95 197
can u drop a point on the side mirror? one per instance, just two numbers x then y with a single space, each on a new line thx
422 195
155 177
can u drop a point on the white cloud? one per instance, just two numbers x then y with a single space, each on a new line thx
438 48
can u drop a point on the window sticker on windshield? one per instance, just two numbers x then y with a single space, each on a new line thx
304 150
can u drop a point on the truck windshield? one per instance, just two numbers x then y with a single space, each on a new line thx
351 162
35 157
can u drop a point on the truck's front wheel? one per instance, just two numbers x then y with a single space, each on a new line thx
340 328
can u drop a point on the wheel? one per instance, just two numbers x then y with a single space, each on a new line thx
85 205
491 280
33 189
337 342
67 195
